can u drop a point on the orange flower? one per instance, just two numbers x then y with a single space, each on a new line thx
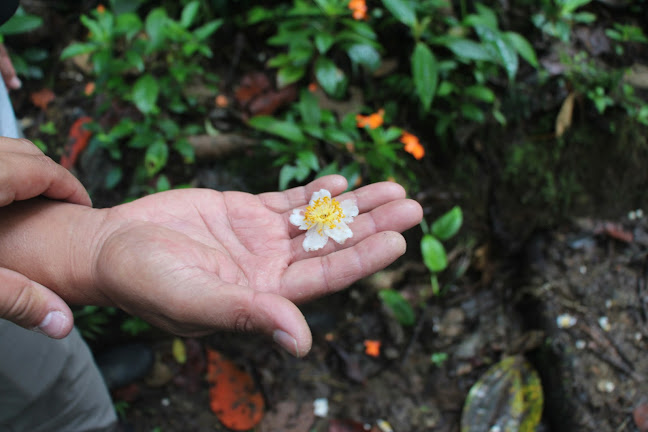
373 121
89 88
412 145
359 9
101 8
312 87
221 101
372 347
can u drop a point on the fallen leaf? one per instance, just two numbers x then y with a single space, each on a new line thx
564 119
616 231
251 86
77 141
345 426
179 351
507 397
234 398
42 98
640 416
192 373
127 393
269 102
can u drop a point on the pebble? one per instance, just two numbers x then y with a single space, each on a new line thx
605 386
565 321
320 407
604 322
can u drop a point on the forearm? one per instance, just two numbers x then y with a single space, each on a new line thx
55 244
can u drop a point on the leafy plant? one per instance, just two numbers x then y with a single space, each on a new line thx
314 33
143 69
399 306
26 61
93 320
432 249
314 141
558 17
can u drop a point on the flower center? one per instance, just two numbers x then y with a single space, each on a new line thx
325 211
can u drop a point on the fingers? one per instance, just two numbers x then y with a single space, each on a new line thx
32 306
27 174
7 70
281 202
236 308
314 277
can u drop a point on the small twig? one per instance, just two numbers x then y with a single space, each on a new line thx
415 335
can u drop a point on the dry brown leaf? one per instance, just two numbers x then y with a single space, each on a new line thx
42 98
564 119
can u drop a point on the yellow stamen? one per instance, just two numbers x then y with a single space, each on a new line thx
325 211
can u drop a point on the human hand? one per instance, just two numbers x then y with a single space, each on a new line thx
25 172
7 70
195 261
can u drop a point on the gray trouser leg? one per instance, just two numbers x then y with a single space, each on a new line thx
47 384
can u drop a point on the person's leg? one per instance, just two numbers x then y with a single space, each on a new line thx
50 385
47 384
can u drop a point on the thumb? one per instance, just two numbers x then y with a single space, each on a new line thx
32 306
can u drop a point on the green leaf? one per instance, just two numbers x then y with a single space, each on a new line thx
500 48
402 10
480 92
156 157
206 30
434 255
286 174
162 184
189 14
155 23
113 178
145 93
186 150
508 397
284 129
329 76
128 24
20 23
309 108
448 225
468 49
425 72
401 309
323 41
289 74
523 47
77 49
365 55
308 159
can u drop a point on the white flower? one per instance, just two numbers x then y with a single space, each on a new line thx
323 218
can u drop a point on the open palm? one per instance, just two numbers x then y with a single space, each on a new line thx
193 261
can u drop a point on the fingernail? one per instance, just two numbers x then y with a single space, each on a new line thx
15 83
286 341
53 325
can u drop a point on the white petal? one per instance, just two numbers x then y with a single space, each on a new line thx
297 219
349 209
319 194
340 233
314 240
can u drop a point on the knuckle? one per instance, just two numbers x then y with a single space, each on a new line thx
20 304
243 322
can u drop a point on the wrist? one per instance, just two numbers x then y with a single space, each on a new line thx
55 244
